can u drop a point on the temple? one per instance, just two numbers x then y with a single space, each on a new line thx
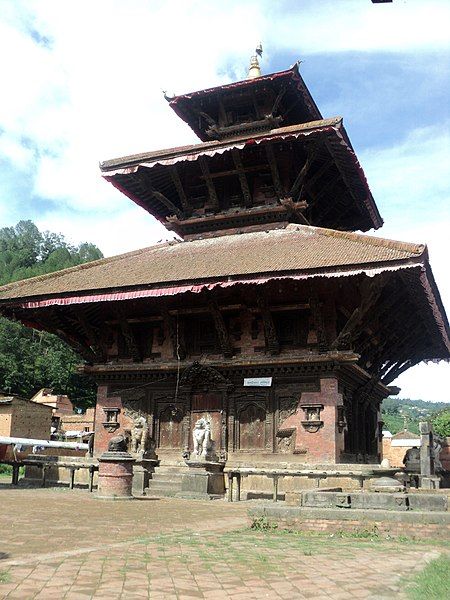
270 321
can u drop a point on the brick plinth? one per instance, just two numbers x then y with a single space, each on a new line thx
115 476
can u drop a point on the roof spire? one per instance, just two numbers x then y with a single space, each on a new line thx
254 69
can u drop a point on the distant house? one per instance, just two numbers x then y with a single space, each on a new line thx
22 418
78 425
60 403
395 446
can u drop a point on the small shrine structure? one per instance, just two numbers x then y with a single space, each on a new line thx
270 317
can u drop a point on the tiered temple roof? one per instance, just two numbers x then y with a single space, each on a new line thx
254 202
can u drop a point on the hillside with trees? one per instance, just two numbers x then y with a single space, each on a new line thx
398 413
30 359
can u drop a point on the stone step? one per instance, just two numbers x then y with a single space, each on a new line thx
164 485
162 489
174 470
164 481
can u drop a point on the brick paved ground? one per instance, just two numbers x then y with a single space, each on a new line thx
61 544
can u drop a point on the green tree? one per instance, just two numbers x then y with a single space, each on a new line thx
441 423
30 359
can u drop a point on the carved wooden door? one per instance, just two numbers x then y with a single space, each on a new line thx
170 429
252 428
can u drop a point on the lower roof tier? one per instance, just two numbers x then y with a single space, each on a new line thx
305 173
372 296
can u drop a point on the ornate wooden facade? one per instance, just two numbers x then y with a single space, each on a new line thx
258 291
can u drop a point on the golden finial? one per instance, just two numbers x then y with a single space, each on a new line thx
254 69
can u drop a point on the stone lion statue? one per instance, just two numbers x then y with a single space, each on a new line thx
117 443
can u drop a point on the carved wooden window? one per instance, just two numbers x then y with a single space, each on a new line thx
252 428
201 336
292 328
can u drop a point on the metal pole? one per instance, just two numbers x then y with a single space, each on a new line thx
43 443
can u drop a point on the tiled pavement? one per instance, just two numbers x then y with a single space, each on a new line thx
59 544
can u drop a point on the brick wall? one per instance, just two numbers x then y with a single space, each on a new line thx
82 422
102 436
5 419
325 445
361 527
30 420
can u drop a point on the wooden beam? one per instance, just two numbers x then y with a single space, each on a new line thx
230 172
274 171
278 99
175 334
223 120
319 173
91 333
347 184
187 208
242 178
319 323
127 333
209 183
270 332
147 188
65 332
221 329
398 369
299 180
370 292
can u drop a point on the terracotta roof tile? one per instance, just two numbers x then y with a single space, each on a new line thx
297 248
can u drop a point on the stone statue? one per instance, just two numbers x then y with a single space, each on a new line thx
436 451
411 460
202 437
139 436
117 443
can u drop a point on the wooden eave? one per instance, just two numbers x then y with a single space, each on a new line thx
186 105
350 206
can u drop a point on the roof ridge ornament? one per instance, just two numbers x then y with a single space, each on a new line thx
254 69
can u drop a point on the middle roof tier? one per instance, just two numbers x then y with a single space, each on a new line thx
306 173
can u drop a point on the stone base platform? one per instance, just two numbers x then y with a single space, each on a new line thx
204 480
358 522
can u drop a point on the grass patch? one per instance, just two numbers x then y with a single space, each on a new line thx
433 582
4 576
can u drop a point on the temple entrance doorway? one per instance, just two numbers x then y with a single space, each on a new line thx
171 429
207 405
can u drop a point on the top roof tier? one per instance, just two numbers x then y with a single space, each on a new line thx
267 158
248 106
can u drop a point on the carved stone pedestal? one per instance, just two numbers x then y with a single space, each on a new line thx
142 470
429 482
204 480
115 476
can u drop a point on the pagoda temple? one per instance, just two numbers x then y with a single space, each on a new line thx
269 319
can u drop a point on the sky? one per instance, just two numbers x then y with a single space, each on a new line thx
83 81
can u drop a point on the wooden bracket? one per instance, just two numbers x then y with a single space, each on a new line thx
146 185
221 329
270 332
175 334
371 289
214 200
242 177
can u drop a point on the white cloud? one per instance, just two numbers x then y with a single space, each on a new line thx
411 187
345 25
